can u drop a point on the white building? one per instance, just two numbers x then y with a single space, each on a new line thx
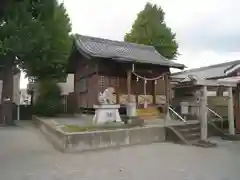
66 87
16 88
25 98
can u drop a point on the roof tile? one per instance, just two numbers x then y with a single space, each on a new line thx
122 51
208 72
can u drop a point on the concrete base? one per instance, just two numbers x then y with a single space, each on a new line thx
131 109
106 113
84 141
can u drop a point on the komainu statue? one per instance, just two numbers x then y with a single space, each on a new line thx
107 96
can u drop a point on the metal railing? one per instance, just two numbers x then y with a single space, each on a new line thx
174 112
216 114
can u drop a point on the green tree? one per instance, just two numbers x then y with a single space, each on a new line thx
49 101
34 36
150 29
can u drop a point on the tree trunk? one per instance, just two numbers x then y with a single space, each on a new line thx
7 95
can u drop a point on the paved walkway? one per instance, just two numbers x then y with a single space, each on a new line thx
25 155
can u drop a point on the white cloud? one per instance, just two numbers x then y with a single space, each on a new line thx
205 25
207 30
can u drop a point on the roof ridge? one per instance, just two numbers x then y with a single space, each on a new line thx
206 67
99 39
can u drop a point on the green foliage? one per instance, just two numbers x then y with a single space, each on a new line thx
37 33
150 29
49 101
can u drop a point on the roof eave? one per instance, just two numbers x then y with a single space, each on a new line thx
175 65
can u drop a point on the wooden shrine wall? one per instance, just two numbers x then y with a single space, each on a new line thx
86 83
137 89
93 76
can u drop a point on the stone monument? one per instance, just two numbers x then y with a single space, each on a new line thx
106 111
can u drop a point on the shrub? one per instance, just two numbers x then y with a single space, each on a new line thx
49 102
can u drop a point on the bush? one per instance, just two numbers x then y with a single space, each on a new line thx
49 101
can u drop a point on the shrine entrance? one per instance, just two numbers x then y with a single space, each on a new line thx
149 91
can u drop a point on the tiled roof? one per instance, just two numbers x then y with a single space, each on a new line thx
235 69
207 72
122 51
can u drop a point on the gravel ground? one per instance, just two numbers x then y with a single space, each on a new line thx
26 155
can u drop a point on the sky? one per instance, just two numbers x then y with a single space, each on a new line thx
208 31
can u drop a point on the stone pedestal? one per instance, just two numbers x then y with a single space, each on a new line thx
106 113
131 109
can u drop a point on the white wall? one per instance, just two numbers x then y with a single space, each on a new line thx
68 86
25 98
16 88
214 93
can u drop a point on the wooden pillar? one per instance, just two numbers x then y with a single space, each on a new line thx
145 105
97 89
203 114
166 90
117 90
220 91
165 94
237 107
230 112
137 93
154 92
166 81
129 77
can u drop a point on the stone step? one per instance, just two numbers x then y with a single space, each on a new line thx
193 136
190 135
148 110
150 113
150 117
188 130
189 126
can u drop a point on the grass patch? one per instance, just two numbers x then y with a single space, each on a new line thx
109 126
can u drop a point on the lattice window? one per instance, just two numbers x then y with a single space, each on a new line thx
101 82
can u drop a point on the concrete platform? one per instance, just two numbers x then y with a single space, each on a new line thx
86 120
93 140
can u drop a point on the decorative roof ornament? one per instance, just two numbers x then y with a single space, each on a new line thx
235 69
191 78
